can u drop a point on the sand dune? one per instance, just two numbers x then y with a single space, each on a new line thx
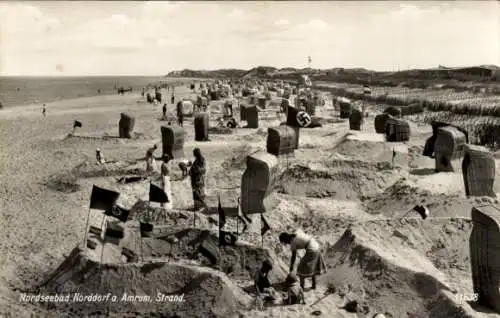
340 186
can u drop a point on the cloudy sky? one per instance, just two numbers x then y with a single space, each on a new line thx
152 38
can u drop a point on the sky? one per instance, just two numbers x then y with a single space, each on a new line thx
71 38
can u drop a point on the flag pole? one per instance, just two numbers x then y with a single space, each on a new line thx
140 240
406 214
149 211
86 230
261 236
103 241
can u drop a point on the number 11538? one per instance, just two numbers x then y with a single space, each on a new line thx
467 296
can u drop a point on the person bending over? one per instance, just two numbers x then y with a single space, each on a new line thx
312 263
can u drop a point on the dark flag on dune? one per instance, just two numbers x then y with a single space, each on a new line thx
422 211
156 194
265 226
76 124
103 199
146 229
118 212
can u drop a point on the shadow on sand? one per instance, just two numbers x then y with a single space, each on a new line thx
135 136
423 171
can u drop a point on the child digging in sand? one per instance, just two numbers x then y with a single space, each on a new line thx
265 293
262 284
294 291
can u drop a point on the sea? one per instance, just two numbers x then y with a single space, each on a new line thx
16 91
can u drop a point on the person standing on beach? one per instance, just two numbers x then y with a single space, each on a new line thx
44 110
180 114
164 110
172 99
150 159
197 174
165 178
312 263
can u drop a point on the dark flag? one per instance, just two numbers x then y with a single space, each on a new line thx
146 229
156 194
227 238
102 199
118 212
76 123
208 248
264 225
222 216
422 211
114 233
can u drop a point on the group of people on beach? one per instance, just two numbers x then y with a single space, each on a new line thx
195 169
310 266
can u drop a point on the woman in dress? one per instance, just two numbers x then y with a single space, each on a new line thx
150 159
197 173
165 178
312 263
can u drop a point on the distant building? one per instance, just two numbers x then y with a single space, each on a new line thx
450 72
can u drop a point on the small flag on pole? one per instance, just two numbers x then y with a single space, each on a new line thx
156 194
76 124
422 211
102 199
146 229
264 225
118 212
